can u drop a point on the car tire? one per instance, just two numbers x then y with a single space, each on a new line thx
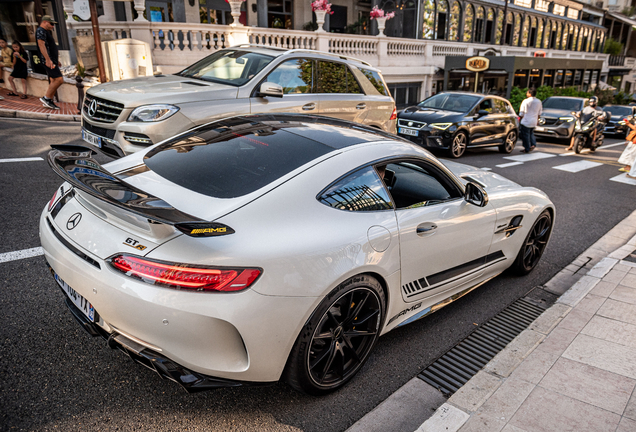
534 245
509 142
458 145
579 142
329 351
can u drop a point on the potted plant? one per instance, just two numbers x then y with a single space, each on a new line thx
321 8
381 17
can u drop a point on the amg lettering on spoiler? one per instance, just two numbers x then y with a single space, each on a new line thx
209 230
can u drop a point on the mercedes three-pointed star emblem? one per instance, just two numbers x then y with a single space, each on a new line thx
73 221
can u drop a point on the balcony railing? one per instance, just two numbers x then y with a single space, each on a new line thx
176 45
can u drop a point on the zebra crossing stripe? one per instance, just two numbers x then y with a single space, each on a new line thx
21 254
575 167
622 178
527 157
509 164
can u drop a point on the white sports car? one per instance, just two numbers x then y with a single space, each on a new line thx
260 248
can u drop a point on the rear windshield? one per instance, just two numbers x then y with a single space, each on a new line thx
564 104
228 67
450 102
618 110
235 157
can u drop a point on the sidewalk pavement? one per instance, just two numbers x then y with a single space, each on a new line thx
32 108
572 369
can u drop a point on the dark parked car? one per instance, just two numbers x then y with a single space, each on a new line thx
456 121
557 120
617 125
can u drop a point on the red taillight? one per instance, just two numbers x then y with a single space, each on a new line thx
52 202
394 114
186 277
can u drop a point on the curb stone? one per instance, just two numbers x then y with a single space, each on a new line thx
7 113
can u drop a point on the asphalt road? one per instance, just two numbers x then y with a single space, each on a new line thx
55 377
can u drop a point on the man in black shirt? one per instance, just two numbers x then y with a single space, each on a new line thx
48 55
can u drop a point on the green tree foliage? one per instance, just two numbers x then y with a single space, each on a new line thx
613 47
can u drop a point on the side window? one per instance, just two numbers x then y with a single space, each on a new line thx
418 185
371 81
294 76
352 83
486 105
361 191
332 77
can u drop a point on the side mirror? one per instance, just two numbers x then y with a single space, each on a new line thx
270 89
475 195
481 113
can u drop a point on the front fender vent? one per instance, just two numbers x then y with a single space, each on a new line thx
514 225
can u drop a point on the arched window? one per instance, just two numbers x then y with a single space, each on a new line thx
579 43
405 21
490 23
517 31
574 38
564 38
558 36
553 36
539 42
479 25
469 15
428 19
499 31
525 34
442 19
532 37
601 40
508 27
453 29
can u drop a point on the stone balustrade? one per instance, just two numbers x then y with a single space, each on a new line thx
176 45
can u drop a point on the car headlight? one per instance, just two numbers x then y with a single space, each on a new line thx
152 113
586 127
622 122
441 126
567 119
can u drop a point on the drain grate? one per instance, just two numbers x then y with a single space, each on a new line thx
461 363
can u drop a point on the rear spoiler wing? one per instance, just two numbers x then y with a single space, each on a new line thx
75 165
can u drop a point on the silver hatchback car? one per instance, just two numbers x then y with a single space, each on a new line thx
123 117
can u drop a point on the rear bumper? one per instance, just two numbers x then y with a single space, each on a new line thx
190 381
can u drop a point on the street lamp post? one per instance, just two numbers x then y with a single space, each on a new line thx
98 41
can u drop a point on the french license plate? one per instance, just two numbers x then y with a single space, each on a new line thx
405 131
92 138
539 129
79 301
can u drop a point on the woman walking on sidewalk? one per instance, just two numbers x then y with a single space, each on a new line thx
20 59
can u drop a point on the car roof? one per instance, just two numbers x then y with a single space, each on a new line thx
474 94
568 97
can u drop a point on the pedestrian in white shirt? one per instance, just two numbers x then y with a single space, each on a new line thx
529 112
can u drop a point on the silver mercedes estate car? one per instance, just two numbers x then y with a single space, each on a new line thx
126 116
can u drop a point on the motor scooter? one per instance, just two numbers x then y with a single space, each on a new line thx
583 129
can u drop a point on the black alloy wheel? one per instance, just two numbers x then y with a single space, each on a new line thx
509 143
338 338
534 245
458 146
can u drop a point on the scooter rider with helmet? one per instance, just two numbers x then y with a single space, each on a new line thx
585 115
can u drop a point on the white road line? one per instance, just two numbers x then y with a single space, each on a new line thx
527 157
575 167
21 159
509 164
622 178
613 145
21 254
567 154
486 169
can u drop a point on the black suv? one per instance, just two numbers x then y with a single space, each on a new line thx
456 121
617 124
557 120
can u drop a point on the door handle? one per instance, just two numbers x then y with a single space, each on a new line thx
361 106
425 228
309 106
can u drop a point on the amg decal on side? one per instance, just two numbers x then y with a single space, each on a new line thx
405 311
134 244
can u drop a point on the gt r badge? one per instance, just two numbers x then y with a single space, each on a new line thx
134 244
73 221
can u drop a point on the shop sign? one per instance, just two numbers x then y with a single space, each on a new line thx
477 64
82 10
